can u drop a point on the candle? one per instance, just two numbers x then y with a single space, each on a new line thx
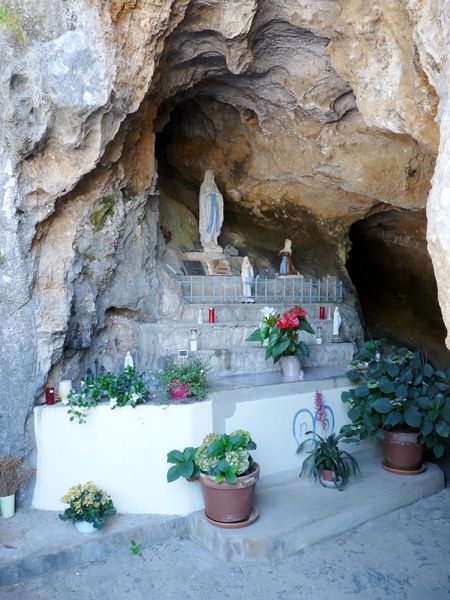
211 315
321 313
50 395
64 389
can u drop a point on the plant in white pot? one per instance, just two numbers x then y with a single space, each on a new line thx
227 475
12 475
89 507
280 336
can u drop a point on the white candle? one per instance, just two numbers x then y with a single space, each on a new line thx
64 389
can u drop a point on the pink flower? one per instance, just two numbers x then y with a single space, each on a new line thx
321 413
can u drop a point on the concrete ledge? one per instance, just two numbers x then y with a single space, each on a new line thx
38 542
300 513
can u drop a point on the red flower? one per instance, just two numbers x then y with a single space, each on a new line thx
295 312
288 322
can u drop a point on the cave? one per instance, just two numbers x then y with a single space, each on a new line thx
392 272
309 131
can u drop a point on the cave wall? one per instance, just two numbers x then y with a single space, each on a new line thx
314 115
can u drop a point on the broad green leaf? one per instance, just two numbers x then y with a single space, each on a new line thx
353 375
428 370
361 390
427 427
255 336
173 473
186 469
401 392
175 456
393 370
413 418
305 326
387 387
442 429
393 419
354 414
438 450
382 405
280 348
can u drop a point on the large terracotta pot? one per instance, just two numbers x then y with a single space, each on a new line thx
290 366
402 452
229 502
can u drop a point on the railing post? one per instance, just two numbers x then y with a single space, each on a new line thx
310 291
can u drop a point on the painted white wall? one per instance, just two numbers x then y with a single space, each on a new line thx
124 450
270 422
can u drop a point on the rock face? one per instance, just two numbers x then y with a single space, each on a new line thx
312 115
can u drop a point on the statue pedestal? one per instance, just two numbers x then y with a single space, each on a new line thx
214 262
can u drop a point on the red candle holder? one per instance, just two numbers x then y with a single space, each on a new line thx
322 313
211 315
50 396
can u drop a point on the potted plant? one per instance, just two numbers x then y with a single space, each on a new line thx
227 475
125 388
327 461
185 379
280 336
401 400
89 507
12 475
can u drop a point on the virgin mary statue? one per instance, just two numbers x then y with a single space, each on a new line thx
211 213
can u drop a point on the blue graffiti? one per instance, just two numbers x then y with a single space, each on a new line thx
305 420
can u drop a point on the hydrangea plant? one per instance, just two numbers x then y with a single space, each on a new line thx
222 456
87 503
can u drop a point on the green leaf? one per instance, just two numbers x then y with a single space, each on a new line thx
386 386
438 450
305 326
186 469
230 476
361 390
401 392
175 456
173 473
393 371
427 427
382 405
442 429
413 418
428 370
255 336
354 414
393 419
353 375
223 465
280 348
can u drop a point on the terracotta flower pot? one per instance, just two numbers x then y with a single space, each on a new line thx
290 366
226 502
179 391
327 479
402 452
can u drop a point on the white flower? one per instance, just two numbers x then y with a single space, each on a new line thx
268 311
135 397
65 401
112 402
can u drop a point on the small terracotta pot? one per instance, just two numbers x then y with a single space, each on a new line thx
229 502
328 481
179 391
401 451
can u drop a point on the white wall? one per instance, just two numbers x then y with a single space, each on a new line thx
124 450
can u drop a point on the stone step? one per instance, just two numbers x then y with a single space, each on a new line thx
238 312
37 542
175 335
250 359
301 512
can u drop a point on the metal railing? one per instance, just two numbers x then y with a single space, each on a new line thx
212 288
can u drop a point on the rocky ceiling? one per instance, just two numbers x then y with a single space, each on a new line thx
313 114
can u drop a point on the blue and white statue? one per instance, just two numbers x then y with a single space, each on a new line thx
211 213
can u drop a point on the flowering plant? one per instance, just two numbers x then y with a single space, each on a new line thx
121 389
223 456
192 373
280 334
87 503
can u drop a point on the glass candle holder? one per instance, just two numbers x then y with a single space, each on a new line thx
64 389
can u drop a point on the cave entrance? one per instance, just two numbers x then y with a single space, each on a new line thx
201 132
393 275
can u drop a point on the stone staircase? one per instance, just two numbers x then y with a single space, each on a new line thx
223 344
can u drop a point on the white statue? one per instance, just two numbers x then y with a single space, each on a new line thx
211 213
247 275
128 362
337 320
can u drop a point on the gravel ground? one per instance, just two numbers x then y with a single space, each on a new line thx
404 556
